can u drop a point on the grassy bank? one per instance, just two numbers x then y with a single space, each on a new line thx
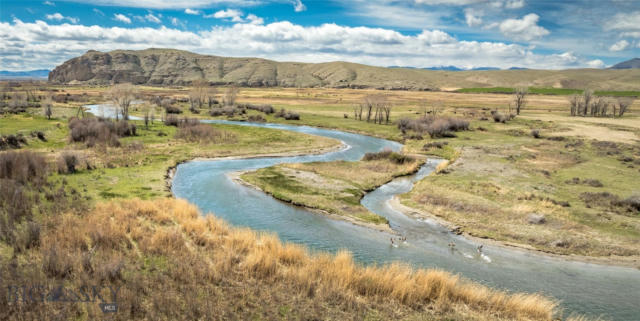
558 194
167 261
138 167
547 91
334 187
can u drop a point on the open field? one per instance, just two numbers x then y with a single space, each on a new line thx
332 187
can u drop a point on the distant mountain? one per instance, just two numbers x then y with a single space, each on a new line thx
518 68
448 68
629 64
162 67
40 73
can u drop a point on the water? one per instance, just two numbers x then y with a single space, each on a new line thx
595 290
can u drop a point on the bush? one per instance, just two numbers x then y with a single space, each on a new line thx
288 115
435 126
12 141
535 133
390 155
172 110
432 145
267 109
69 162
228 111
499 117
256 118
94 131
172 120
24 167
204 133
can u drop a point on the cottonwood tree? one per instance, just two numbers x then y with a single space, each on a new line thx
47 104
230 95
377 106
575 103
587 98
122 95
623 103
520 99
211 94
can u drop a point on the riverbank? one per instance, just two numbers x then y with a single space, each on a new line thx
396 204
334 188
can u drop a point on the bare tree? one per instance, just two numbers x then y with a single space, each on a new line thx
357 111
624 103
230 95
122 95
47 104
574 103
520 99
211 94
587 97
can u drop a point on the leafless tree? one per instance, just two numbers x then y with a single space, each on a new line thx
624 103
357 111
574 103
122 95
520 99
230 95
47 104
587 98
211 94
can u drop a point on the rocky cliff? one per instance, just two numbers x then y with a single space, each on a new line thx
176 67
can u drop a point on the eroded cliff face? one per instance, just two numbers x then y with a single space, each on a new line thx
175 67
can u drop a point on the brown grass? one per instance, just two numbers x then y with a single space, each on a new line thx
159 251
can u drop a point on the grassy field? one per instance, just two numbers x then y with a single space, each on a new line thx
333 187
502 178
547 91
138 168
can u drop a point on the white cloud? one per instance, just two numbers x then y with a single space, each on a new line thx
49 3
298 6
449 2
619 46
597 63
97 11
151 18
624 21
525 29
191 11
55 16
253 19
232 14
122 18
43 45
58 17
473 17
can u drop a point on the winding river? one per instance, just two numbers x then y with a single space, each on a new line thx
591 289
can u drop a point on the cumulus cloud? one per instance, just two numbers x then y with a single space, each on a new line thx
525 29
619 46
298 6
597 63
473 17
59 17
191 11
231 14
122 18
514 4
49 3
253 19
44 45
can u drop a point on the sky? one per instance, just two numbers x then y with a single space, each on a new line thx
540 34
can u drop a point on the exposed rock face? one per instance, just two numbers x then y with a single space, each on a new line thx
176 67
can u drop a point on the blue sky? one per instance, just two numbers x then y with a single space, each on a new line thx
540 34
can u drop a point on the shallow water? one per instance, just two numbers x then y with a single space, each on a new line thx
595 290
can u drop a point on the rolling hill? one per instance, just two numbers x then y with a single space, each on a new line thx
176 67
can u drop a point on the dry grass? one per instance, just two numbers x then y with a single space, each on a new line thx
159 251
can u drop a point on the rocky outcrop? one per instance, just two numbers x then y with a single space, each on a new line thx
176 67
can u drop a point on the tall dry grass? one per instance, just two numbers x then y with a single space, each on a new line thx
112 242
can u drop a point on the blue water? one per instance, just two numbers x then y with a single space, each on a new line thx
595 290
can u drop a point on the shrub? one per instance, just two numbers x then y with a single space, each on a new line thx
267 109
172 110
288 115
172 120
69 162
535 133
24 167
94 131
499 117
228 111
390 155
204 133
435 126
12 141
256 118
432 145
